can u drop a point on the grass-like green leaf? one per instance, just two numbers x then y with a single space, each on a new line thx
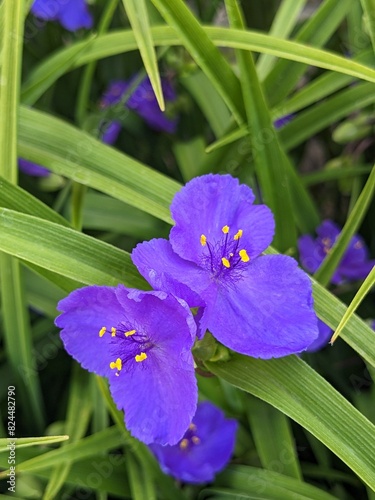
285 20
298 391
32 441
369 9
359 296
65 251
136 11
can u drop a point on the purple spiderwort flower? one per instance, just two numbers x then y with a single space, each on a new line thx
355 263
204 450
140 341
143 102
71 14
261 306
30 168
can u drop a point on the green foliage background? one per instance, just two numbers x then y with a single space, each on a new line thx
306 424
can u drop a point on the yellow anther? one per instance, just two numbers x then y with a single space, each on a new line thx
238 235
192 427
244 256
184 443
102 331
113 331
195 439
116 364
225 262
225 229
203 240
129 333
140 357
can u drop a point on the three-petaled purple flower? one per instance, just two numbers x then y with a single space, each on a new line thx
71 14
143 101
261 306
355 263
204 450
140 341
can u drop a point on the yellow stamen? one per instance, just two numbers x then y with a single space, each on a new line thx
184 443
140 357
203 240
116 364
225 229
238 235
195 439
129 333
102 331
244 256
192 427
113 331
225 262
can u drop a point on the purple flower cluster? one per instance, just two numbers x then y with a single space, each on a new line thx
257 305
71 14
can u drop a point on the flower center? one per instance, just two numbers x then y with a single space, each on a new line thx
226 254
132 346
190 438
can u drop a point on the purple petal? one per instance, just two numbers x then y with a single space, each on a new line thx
310 252
159 394
85 312
328 229
111 132
30 168
75 15
198 463
268 313
114 93
48 10
204 206
283 120
166 271
325 333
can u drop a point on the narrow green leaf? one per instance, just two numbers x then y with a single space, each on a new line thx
353 222
320 116
369 10
178 15
68 151
123 41
32 441
137 13
273 437
273 485
315 32
141 487
334 174
285 20
65 251
189 155
359 296
268 158
209 100
297 390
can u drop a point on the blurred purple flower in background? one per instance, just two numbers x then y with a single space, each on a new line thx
283 120
30 168
261 306
325 333
143 102
71 14
204 450
140 341
355 263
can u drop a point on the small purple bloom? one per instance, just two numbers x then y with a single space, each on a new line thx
71 14
355 263
30 168
204 450
140 341
143 102
261 306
